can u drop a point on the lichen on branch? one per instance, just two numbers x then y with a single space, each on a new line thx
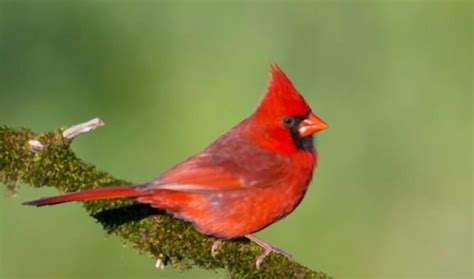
174 242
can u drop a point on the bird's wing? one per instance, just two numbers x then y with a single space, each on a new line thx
196 179
237 168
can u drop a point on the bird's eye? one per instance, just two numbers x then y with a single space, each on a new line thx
288 121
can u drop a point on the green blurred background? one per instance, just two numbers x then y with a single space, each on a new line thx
392 197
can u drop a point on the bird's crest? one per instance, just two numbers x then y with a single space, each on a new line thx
281 97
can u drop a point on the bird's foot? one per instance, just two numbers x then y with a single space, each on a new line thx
215 246
267 249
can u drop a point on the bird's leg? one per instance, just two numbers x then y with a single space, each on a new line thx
267 249
215 246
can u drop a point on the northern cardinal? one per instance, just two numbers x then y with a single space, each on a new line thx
249 178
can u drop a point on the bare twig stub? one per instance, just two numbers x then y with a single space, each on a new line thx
70 133
159 264
35 145
82 128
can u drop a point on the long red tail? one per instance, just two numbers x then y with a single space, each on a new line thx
102 193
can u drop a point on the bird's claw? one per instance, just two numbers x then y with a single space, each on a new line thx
261 257
215 247
267 249
281 252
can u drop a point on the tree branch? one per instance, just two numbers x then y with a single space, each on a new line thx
47 160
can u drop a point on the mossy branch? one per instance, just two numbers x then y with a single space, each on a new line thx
47 160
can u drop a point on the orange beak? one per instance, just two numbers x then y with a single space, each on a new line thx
311 125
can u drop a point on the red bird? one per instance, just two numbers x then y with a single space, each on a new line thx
249 178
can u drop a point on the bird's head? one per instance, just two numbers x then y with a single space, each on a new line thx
283 120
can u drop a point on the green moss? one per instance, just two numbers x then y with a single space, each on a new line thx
151 231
